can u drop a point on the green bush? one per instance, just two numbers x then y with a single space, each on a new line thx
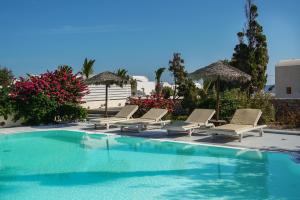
38 110
232 100
70 112
235 99
41 109
167 92
263 101
6 105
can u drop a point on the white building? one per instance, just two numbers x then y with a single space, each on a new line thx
287 79
144 86
117 96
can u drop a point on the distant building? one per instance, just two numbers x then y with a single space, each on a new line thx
287 79
144 86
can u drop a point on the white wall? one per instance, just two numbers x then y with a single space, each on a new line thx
145 87
117 96
287 76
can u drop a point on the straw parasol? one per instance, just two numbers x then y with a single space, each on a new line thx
105 78
220 71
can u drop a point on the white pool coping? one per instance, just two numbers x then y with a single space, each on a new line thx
282 142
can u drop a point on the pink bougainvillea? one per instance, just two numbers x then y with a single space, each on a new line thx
61 85
153 101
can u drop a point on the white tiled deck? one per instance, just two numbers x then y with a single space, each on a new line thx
269 141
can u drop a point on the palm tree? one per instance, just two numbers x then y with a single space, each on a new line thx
122 73
87 67
158 74
127 79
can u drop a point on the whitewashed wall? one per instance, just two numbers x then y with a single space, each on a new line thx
116 96
287 76
145 88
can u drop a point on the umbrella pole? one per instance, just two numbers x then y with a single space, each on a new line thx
218 98
106 99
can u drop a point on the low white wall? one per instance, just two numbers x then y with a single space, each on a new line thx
117 96
101 104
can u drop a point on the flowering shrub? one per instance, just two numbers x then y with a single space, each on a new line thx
61 86
40 99
153 101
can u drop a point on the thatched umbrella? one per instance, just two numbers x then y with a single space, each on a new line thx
220 71
105 78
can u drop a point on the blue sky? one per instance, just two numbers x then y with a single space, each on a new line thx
139 35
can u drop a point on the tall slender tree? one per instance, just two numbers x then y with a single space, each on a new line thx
184 86
87 67
158 74
252 56
176 67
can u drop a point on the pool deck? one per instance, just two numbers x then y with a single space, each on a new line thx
273 141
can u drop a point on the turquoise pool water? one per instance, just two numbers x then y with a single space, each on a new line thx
56 165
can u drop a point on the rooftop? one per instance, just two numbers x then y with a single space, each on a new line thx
140 78
290 62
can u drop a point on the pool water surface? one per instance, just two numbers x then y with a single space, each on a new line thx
57 165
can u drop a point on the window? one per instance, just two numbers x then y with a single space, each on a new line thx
288 90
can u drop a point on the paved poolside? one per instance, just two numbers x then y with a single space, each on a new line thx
269 141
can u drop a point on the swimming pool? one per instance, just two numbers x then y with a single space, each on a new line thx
59 165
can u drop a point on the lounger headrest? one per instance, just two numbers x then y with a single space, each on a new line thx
155 114
127 111
200 116
246 116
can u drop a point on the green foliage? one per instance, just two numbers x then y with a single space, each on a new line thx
38 110
262 101
235 99
70 112
6 81
252 57
123 73
184 86
127 79
43 110
65 68
176 67
204 91
133 85
167 92
49 97
6 77
6 105
158 74
189 91
87 67
232 100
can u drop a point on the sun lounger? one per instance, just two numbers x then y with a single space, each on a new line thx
197 119
152 117
124 114
243 120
